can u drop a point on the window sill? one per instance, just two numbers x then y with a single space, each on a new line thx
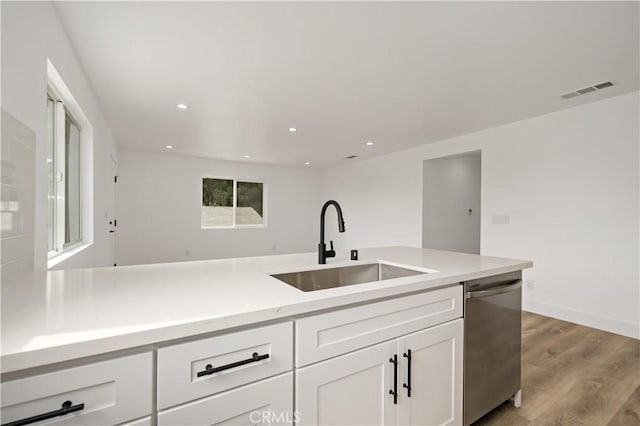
66 254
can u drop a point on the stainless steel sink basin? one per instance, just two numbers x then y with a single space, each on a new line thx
320 279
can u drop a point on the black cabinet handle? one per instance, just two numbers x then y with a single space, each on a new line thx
67 407
394 391
407 385
209 369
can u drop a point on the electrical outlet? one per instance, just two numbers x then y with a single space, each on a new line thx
528 284
187 252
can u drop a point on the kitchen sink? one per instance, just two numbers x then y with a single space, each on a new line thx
320 279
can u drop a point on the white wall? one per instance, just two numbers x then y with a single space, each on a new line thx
31 32
569 182
450 188
160 198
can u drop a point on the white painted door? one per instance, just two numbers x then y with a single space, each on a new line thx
436 376
351 389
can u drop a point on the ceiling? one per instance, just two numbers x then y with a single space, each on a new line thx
400 74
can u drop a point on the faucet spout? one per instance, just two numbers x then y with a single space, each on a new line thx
323 253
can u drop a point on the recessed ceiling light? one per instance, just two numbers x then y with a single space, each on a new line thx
169 146
369 143
247 156
182 106
307 163
293 129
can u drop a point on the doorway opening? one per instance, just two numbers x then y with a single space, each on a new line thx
451 202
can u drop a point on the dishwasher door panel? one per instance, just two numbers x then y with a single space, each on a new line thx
492 351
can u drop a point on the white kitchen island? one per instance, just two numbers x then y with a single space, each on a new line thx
81 335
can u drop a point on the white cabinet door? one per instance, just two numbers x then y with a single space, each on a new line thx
436 376
267 402
352 389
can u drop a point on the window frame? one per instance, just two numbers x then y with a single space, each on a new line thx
235 203
65 107
60 116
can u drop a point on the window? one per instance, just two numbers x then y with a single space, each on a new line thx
69 172
230 203
63 162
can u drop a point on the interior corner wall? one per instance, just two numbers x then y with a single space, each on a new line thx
31 33
570 183
160 199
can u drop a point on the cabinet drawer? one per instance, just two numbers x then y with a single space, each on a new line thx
330 334
268 401
146 421
112 392
182 369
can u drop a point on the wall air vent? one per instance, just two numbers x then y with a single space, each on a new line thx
586 90
350 157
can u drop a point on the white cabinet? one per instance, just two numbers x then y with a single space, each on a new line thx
351 389
352 365
200 368
357 388
228 379
436 376
101 393
335 333
267 402
146 421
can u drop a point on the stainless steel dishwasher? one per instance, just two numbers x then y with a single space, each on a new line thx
492 343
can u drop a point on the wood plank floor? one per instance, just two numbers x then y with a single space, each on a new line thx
573 375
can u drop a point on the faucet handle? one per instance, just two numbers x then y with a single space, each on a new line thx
331 252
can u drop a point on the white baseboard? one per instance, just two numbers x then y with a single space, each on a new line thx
613 325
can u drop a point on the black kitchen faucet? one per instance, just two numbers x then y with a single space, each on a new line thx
323 253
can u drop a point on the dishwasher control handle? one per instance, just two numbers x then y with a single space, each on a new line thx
514 285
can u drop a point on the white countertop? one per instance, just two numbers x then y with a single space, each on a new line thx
57 316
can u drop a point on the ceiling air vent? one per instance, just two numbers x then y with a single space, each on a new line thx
586 90
603 85
350 157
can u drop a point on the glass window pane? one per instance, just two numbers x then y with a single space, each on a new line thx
72 182
217 202
249 210
51 196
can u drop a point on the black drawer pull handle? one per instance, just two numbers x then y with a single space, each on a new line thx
67 407
394 391
209 369
407 385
